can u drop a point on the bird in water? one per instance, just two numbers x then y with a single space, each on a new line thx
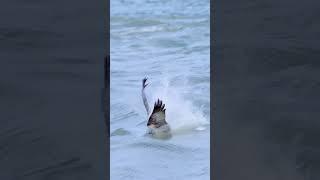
157 124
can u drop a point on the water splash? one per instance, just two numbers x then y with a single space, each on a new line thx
182 114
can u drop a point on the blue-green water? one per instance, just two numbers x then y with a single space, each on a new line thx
169 42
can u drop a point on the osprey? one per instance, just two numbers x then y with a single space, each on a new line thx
157 124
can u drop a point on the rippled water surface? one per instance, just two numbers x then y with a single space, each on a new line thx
169 42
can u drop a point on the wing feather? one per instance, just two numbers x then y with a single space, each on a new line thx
158 116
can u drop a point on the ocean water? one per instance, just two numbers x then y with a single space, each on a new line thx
167 41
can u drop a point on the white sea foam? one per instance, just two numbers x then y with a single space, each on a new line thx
181 113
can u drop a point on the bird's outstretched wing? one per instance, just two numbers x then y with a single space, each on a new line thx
144 97
158 116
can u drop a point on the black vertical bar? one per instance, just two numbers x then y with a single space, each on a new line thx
106 93
107 82
106 109
51 76
267 69
213 98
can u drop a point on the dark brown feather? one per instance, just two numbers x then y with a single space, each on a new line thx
157 117
158 106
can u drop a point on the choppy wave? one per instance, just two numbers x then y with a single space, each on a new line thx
169 42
